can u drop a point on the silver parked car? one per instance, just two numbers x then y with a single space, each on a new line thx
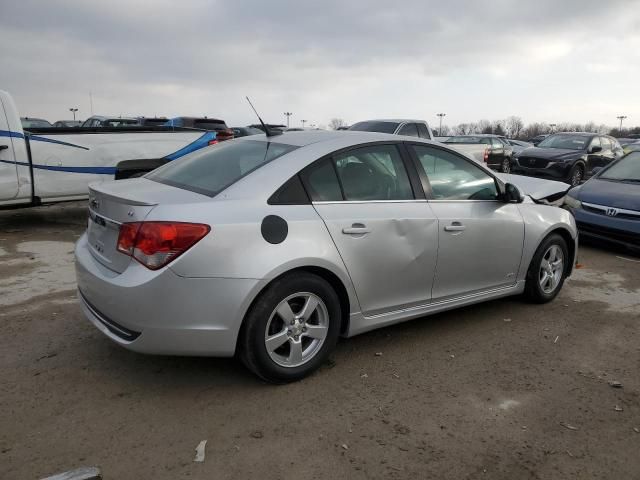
273 247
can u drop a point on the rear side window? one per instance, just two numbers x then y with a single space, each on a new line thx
321 182
423 131
210 170
453 178
409 129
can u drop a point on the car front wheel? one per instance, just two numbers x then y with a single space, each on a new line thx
576 176
547 270
291 328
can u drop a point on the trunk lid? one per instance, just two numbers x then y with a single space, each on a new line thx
114 203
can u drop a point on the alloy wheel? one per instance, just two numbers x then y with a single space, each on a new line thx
506 166
296 329
551 269
576 178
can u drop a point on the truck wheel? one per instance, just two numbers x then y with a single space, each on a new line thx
291 328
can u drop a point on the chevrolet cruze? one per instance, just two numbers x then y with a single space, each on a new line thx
271 247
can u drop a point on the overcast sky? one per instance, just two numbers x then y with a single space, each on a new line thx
554 61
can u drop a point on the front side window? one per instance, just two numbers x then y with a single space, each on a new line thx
595 143
454 178
606 143
373 173
211 170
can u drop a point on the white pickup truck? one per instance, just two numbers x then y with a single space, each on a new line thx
421 129
57 164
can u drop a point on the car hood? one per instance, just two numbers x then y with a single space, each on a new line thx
537 188
551 153
610 194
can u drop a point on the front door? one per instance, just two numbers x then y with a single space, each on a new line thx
387 237
480 236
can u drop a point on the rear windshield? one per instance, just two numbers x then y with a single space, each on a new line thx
382 127
212 169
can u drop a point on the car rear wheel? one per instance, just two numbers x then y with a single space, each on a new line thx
576 176
291 328
506 165
547 270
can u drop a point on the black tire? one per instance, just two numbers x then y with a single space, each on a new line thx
251 343
506 165
533 290
576 176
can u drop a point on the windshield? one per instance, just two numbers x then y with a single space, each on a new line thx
568 142
382 127
210 170
627 168
34 123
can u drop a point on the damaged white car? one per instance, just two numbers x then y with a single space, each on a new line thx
273 246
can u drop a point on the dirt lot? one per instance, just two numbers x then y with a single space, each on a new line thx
503 390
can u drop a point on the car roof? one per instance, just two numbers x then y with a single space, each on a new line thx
393 120
581 134
308 137
479 135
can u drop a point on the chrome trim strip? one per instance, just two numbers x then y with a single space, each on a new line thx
444 302
605 208
340 202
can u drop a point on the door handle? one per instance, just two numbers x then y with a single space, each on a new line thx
455 227
356 229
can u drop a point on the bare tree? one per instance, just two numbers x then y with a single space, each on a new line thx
484 126
513 126
336 123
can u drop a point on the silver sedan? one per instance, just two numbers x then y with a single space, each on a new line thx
273 247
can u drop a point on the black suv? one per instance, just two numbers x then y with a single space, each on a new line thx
567 157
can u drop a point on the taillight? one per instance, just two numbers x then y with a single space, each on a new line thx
155 244
486 155
213 142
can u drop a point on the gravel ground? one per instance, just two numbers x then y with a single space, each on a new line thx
502 390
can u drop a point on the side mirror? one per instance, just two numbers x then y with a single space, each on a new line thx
595 149
512 194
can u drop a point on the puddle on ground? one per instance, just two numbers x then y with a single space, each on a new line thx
51 270
591 285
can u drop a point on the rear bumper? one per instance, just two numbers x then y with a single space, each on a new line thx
160 312
619 231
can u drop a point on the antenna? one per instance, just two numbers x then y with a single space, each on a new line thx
268 133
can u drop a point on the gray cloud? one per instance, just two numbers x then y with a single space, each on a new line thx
320 59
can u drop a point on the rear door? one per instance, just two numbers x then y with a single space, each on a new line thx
480 237
8 168
385 233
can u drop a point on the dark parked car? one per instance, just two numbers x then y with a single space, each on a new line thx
30 122
100 121
518 145
608 206
203 123
67 123
499 149
152 121
568 157
245 131
538 138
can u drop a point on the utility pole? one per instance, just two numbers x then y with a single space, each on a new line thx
552 125
73 110
621 118
441 115
303 122
288 114
91 102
